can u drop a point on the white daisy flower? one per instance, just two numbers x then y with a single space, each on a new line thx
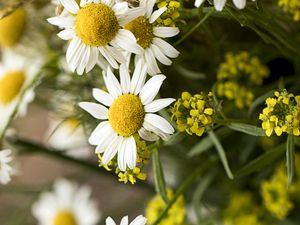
219 4
127 109
68 136
140 220
6 171
95 31
67 204
149 37
16 76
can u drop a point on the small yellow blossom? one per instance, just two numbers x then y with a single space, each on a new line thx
175 216
171 15
237 75
282 114
292 7
194 114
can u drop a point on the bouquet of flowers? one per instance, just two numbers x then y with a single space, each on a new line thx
157 112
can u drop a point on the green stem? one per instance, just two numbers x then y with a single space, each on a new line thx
194 28
28 147
183 187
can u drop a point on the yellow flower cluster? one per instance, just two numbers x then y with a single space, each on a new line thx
292 7
143 156
194 114
276 195
241 210
237 75
175 216
171 16
282 114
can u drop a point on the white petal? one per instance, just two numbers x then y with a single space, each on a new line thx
120 8
130 152
157 13
166 48
67 34
153 68
111 150
140 220
105 140
84 60
109 220
158 104
70 5
138 78
72 52
151 88
112 84
130 15
165 32
93 60
147 135
96 110
150 5
60 21
102 97
240 4
124 220
121 155
159 122
219 4
110 59
125 79
160 55
97 133
198 3
126 40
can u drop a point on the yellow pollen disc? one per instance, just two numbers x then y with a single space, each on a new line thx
126 115
12 28
10 86
64 218
96 24
142 30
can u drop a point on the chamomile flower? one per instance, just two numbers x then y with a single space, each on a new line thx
149 37
140 220
130 109
67 204
6 171
219 4
16 76
68 136
94 30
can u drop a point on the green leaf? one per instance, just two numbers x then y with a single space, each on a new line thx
247 129
159 180
190 74
207 143
261 161
290 157
221 153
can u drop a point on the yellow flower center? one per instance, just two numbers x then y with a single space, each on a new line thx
142 30
10 86
64 218
96 24
12 28
126 115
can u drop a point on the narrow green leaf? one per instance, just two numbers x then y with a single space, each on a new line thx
290 157
261 161
159 179
221 153
190 74
247 129
206 142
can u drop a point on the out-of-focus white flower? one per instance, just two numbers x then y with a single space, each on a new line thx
219 4
16 79
131 110
68 136
6 171
94 28
67 204
140 220
150 37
